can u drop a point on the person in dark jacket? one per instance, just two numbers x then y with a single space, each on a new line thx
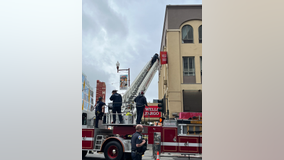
116 105
99 111
155 57
141 102
137 143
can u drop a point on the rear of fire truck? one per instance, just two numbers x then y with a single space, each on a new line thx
178 137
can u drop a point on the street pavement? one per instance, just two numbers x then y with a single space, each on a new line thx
147 156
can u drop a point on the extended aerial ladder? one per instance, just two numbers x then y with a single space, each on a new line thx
141 83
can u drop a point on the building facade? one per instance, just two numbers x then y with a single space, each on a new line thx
180 80
87 94
101 91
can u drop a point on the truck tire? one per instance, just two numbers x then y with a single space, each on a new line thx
84 153
113 151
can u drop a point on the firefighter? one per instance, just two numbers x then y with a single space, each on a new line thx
116 107
137 144
141 102
153 60
99 111
155 57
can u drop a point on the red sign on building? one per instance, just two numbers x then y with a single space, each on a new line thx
152 112
163 57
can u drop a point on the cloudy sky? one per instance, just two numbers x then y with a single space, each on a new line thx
126 31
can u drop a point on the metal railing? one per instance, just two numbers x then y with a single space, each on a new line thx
128 117
190 129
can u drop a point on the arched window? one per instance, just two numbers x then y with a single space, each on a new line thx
200 33
187 34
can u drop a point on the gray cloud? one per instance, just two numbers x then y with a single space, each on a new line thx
125 31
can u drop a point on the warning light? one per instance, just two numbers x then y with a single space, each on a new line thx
161 119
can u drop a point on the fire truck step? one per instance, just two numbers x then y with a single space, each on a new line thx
99 141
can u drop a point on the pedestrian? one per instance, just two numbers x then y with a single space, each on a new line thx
141 102
99 111
116 106
137 144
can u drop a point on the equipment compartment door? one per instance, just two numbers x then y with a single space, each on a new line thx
169 142
151 130
189 144
87 138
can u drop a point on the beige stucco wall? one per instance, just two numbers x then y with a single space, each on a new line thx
173 71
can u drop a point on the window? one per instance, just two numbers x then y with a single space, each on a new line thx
188 70
200 33
188 66
187 34
85 105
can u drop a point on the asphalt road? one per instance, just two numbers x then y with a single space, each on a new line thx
97 156
147 156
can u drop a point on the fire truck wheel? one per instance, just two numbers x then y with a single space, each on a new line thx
84 153
113 151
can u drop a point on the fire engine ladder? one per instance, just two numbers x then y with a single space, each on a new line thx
141 83
99 141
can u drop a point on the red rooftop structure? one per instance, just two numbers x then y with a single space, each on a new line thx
101 91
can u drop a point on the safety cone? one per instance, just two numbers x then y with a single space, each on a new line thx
158 156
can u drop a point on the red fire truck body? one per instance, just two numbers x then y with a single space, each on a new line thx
176 136
88 139
172 142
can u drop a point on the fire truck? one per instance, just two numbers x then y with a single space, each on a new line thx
182 135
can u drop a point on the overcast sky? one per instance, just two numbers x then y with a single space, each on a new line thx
126 31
